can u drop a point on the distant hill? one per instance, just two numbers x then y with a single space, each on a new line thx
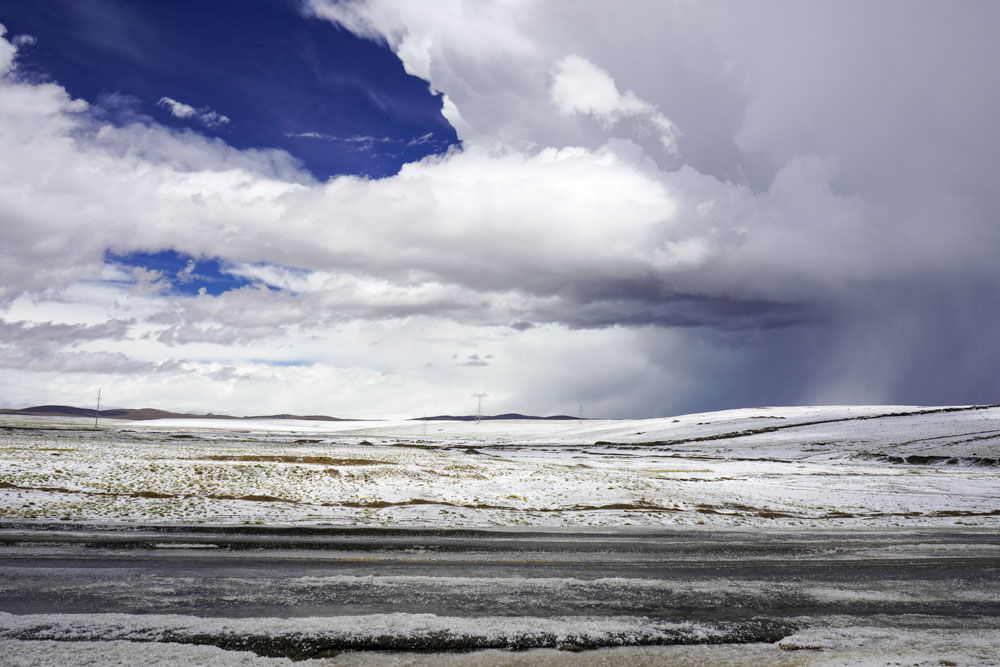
317 418
142 414
132 414
472 418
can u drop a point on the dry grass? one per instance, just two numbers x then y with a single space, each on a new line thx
318 460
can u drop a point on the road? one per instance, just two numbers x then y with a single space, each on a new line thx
669 576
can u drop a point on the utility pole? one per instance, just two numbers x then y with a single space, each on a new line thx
98 410
581 411
479 405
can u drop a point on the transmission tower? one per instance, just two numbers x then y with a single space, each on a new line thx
98 410
480 397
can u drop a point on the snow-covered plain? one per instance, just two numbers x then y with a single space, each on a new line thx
828 466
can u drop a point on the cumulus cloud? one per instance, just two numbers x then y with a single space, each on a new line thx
205 116
7 51
828 235
581 87
185 150
478 31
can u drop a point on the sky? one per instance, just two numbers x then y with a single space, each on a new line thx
376 208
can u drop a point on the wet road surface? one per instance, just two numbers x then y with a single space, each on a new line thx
668 575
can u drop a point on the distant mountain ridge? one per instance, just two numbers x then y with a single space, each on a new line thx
144 414
110 413
509 415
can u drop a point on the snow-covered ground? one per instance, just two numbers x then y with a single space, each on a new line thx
105 639
828 466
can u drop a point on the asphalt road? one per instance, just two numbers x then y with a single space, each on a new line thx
672 575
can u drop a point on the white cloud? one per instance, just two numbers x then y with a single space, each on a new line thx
178 109
366 142
7 51
186 275
205 116
21 41
421 140
426 40
580 87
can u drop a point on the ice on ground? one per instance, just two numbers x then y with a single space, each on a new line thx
833 466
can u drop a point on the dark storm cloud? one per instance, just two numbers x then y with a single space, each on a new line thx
866 237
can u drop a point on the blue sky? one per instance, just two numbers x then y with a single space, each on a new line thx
338 103
376 208
257 75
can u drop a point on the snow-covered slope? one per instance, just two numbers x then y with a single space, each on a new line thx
900 430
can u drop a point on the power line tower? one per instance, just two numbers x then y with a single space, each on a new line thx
97 411
480 397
